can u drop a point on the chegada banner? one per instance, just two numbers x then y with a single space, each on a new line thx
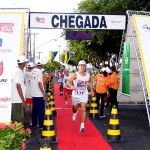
11 43
77 21
126 69
142 26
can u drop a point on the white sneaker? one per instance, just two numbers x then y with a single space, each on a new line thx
82 129
74 116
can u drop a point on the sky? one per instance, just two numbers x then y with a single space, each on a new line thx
42 46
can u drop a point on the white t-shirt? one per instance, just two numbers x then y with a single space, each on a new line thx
60 80
65 82
28 77
36 78
17 77
81 83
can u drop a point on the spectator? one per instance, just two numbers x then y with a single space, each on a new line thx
18 91
38 96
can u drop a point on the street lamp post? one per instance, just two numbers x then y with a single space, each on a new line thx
59 52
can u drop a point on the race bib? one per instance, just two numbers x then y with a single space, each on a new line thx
80 92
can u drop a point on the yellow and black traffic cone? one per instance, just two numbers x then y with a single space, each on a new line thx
45 145
48 132
93 114
113 132
52 105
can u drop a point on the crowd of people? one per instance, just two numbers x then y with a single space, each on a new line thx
30 88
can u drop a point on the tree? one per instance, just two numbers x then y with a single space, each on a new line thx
104 43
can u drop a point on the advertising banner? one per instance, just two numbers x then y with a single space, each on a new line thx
77 21
142 26
11 43
126 69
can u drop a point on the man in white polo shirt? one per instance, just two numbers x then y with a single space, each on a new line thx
38 96
18 91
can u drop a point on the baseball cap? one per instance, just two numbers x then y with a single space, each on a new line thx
108 70
22 59
103 69
39 62
82 62
30 65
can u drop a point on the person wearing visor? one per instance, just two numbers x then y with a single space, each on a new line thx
80 80
18 89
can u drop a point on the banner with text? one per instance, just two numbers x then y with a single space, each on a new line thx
77 21
11 43
142 25
126 69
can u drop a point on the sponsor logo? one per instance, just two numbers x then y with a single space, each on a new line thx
40 20
5 50
146 27
4 99
7 27
116 21
1 68
1 41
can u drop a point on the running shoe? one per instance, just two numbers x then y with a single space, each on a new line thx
102 116
74 116
82 129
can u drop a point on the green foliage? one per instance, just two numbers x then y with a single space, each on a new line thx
54 65
104 43
13 136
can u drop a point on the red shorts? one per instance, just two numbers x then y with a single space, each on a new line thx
68 91
28 100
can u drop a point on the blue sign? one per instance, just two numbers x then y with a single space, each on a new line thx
78 35
1 40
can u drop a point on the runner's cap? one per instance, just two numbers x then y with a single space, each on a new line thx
82 62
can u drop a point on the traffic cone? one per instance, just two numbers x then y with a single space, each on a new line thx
45 145
113 132
48 132
93 114
52 105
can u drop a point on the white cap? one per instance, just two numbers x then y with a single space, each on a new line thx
82 62
103 69
39 62
22 59
108 70
30 65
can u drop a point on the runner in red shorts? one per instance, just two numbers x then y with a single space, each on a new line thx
66 88
28 96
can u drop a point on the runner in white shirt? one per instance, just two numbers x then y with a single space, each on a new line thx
38 96
28 77
67 90
81 79
18 91
60 81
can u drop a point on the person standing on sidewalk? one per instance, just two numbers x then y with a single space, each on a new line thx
38 96
114 86
80 79
66 88
102 85
18 89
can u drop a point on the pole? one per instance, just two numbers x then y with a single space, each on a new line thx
59 52
39 54
34 46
